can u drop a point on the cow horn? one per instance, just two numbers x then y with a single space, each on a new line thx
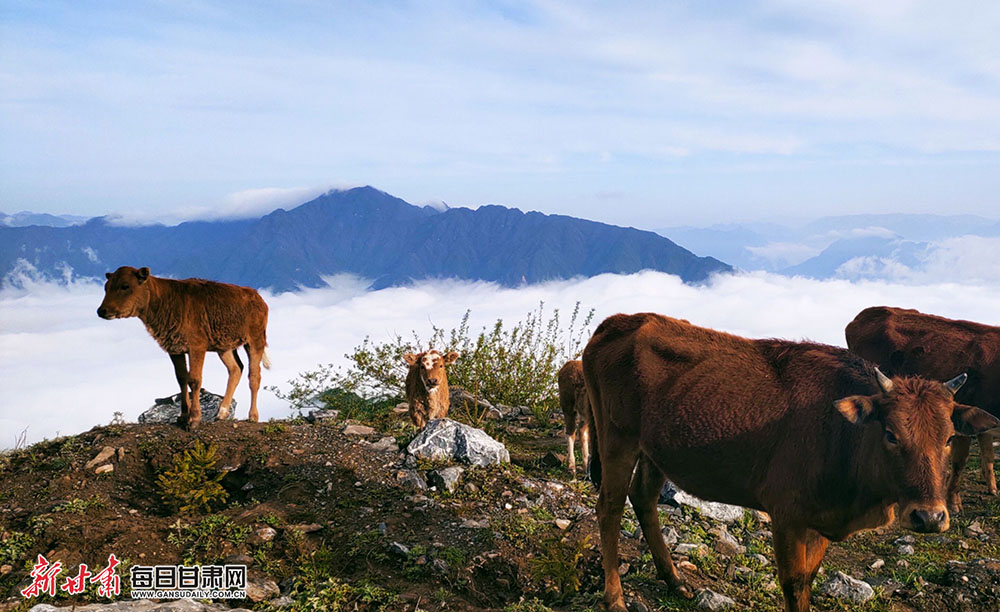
883 381
956 383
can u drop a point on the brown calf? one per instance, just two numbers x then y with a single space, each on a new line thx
811 434
576 411
427 385
910 343
188 318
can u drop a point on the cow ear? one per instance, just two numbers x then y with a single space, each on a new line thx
410 359
107 275
856 408
451 357
142 274
971 421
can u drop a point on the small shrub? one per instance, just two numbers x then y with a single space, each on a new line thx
559 565
190 484
79 506
14 547
205 540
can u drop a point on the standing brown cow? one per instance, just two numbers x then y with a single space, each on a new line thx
427 385
576 411
910 343
188 318
811 434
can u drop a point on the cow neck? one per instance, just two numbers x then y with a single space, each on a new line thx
153 314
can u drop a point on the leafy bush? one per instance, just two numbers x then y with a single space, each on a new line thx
515 365
190 484
79 506
559 566
14 546
205 541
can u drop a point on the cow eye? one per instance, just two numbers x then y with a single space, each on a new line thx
891 437
124 287
950 440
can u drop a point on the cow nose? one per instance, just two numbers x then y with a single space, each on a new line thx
926 521
433 381
102 312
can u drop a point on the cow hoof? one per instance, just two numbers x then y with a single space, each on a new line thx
192 425
955 505
683 590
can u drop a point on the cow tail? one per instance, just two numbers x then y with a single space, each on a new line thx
265 360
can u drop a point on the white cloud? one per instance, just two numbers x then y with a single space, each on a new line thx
965 259
62 369
245 204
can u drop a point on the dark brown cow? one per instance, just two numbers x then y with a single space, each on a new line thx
811 434
188 318
427 386
576 411
909 343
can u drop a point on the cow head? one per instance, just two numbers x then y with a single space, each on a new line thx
125 293
430 367
913 422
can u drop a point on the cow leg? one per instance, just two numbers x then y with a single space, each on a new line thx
618 457
798 551
197 358
571 453
585 447
959 457
181 372
254 355
233 365
987 456
646 486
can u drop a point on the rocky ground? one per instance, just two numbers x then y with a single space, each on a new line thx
334 515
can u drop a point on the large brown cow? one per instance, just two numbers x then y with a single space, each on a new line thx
811 434
189 317
427 385
910 343
576 411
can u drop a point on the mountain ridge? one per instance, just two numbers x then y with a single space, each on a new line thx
362 231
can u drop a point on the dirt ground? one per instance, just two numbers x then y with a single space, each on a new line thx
337 524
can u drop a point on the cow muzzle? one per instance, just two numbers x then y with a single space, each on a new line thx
926 519
104 313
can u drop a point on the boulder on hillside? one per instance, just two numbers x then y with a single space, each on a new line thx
168 409
721 512
447 440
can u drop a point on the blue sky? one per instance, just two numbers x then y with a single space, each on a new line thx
646 114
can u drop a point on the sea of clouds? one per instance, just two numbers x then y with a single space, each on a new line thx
64 370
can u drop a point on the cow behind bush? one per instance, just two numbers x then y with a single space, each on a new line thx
427 385
188 318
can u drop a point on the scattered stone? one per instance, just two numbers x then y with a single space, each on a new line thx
386 445
671 495
906 539
440 566
401 408
305 527
636 605
472 524
121 453
687 566
563 523
382 528
688 549
102 457
623 569
400 550
281 602
446 478
761 560
552 459
321 416
707 599
670 536
168 409
726 543
471 487
104 469
358 430
265 534
5 569
905 549
258 591
842 586
974 530
877 564
447 440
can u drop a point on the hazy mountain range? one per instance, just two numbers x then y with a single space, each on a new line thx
361 231
887 246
